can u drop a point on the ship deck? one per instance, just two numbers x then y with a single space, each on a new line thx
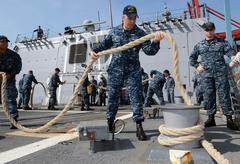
19 147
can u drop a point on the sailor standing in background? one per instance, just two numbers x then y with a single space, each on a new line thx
125 66
11 64
169 86
94 90
39 32
215 73
28 79
85 95
20 91
53 85
102 85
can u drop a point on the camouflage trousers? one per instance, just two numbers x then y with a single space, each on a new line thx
12 93
133 80
217 83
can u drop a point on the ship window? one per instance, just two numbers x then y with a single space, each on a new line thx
77 53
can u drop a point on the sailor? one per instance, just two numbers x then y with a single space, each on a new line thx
169 86
11 64
126 66
198 87
39 32
155 86
145 83
28 79
69 31
102 85
20 91
53 85
85 95
94 90
211 50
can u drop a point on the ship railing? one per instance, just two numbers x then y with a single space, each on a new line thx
31 37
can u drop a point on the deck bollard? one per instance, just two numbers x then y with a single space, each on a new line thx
181 116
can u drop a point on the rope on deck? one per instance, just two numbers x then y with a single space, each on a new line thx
213 152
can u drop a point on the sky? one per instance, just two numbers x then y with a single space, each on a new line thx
23 16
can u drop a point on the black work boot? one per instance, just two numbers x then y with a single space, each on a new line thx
12 126
231 124
140 132
210 121
111 126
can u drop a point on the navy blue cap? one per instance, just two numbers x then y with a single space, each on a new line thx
2 37
130 11
208 25
57 69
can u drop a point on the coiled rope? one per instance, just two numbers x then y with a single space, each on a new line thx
183 135
213 152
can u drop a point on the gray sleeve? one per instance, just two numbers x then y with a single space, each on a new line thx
148 47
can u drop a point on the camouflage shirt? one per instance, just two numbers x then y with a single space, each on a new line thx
157 80
11 63
210 54
170 84
129 59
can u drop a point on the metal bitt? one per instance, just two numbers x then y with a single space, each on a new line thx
181 116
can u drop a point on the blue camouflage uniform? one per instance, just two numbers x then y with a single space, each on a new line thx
145 85
27 87
169 87
198 87
155 86
20 90
11 63
53 85
125 66
215 74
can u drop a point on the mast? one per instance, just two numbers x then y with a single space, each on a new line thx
110 10
228 21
